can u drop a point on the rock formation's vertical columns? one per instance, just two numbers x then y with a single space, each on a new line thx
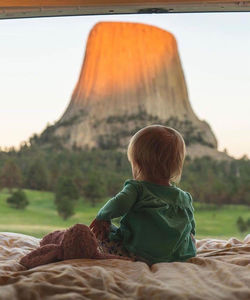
129 68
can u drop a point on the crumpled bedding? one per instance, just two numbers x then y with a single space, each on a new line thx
221 270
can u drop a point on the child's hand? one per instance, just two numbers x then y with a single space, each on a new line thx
100 229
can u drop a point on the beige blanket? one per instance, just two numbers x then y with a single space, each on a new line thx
221 270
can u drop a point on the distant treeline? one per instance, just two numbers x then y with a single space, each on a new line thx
101 173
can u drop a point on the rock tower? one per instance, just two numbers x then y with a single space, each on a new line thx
131 77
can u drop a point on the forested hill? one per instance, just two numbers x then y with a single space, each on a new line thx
100 173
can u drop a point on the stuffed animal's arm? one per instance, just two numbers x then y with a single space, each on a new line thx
100 228
41 256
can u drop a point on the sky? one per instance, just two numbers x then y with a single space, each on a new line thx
40 61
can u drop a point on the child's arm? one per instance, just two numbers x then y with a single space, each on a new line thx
192 211
120 204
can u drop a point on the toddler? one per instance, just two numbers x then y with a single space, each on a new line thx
157 223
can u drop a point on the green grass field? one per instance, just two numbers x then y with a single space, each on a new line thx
40 217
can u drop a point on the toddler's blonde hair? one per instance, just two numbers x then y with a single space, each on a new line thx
158 153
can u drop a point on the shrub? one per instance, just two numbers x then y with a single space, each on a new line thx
18 200
241 224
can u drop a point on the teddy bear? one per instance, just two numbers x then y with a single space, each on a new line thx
76 242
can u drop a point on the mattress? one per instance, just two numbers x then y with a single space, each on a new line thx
221 270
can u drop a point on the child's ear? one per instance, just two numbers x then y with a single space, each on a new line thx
41 256
136 170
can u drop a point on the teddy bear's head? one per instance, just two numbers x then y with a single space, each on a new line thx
79 242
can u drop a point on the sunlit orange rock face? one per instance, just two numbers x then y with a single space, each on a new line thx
131 77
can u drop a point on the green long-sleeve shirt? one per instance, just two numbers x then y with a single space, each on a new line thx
157 221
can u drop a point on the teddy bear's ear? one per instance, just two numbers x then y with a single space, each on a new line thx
41 256
54 237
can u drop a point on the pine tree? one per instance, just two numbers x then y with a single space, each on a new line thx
65 207
95 188
11 176
37 177
66 196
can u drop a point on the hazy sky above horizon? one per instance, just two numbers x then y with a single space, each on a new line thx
40 61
